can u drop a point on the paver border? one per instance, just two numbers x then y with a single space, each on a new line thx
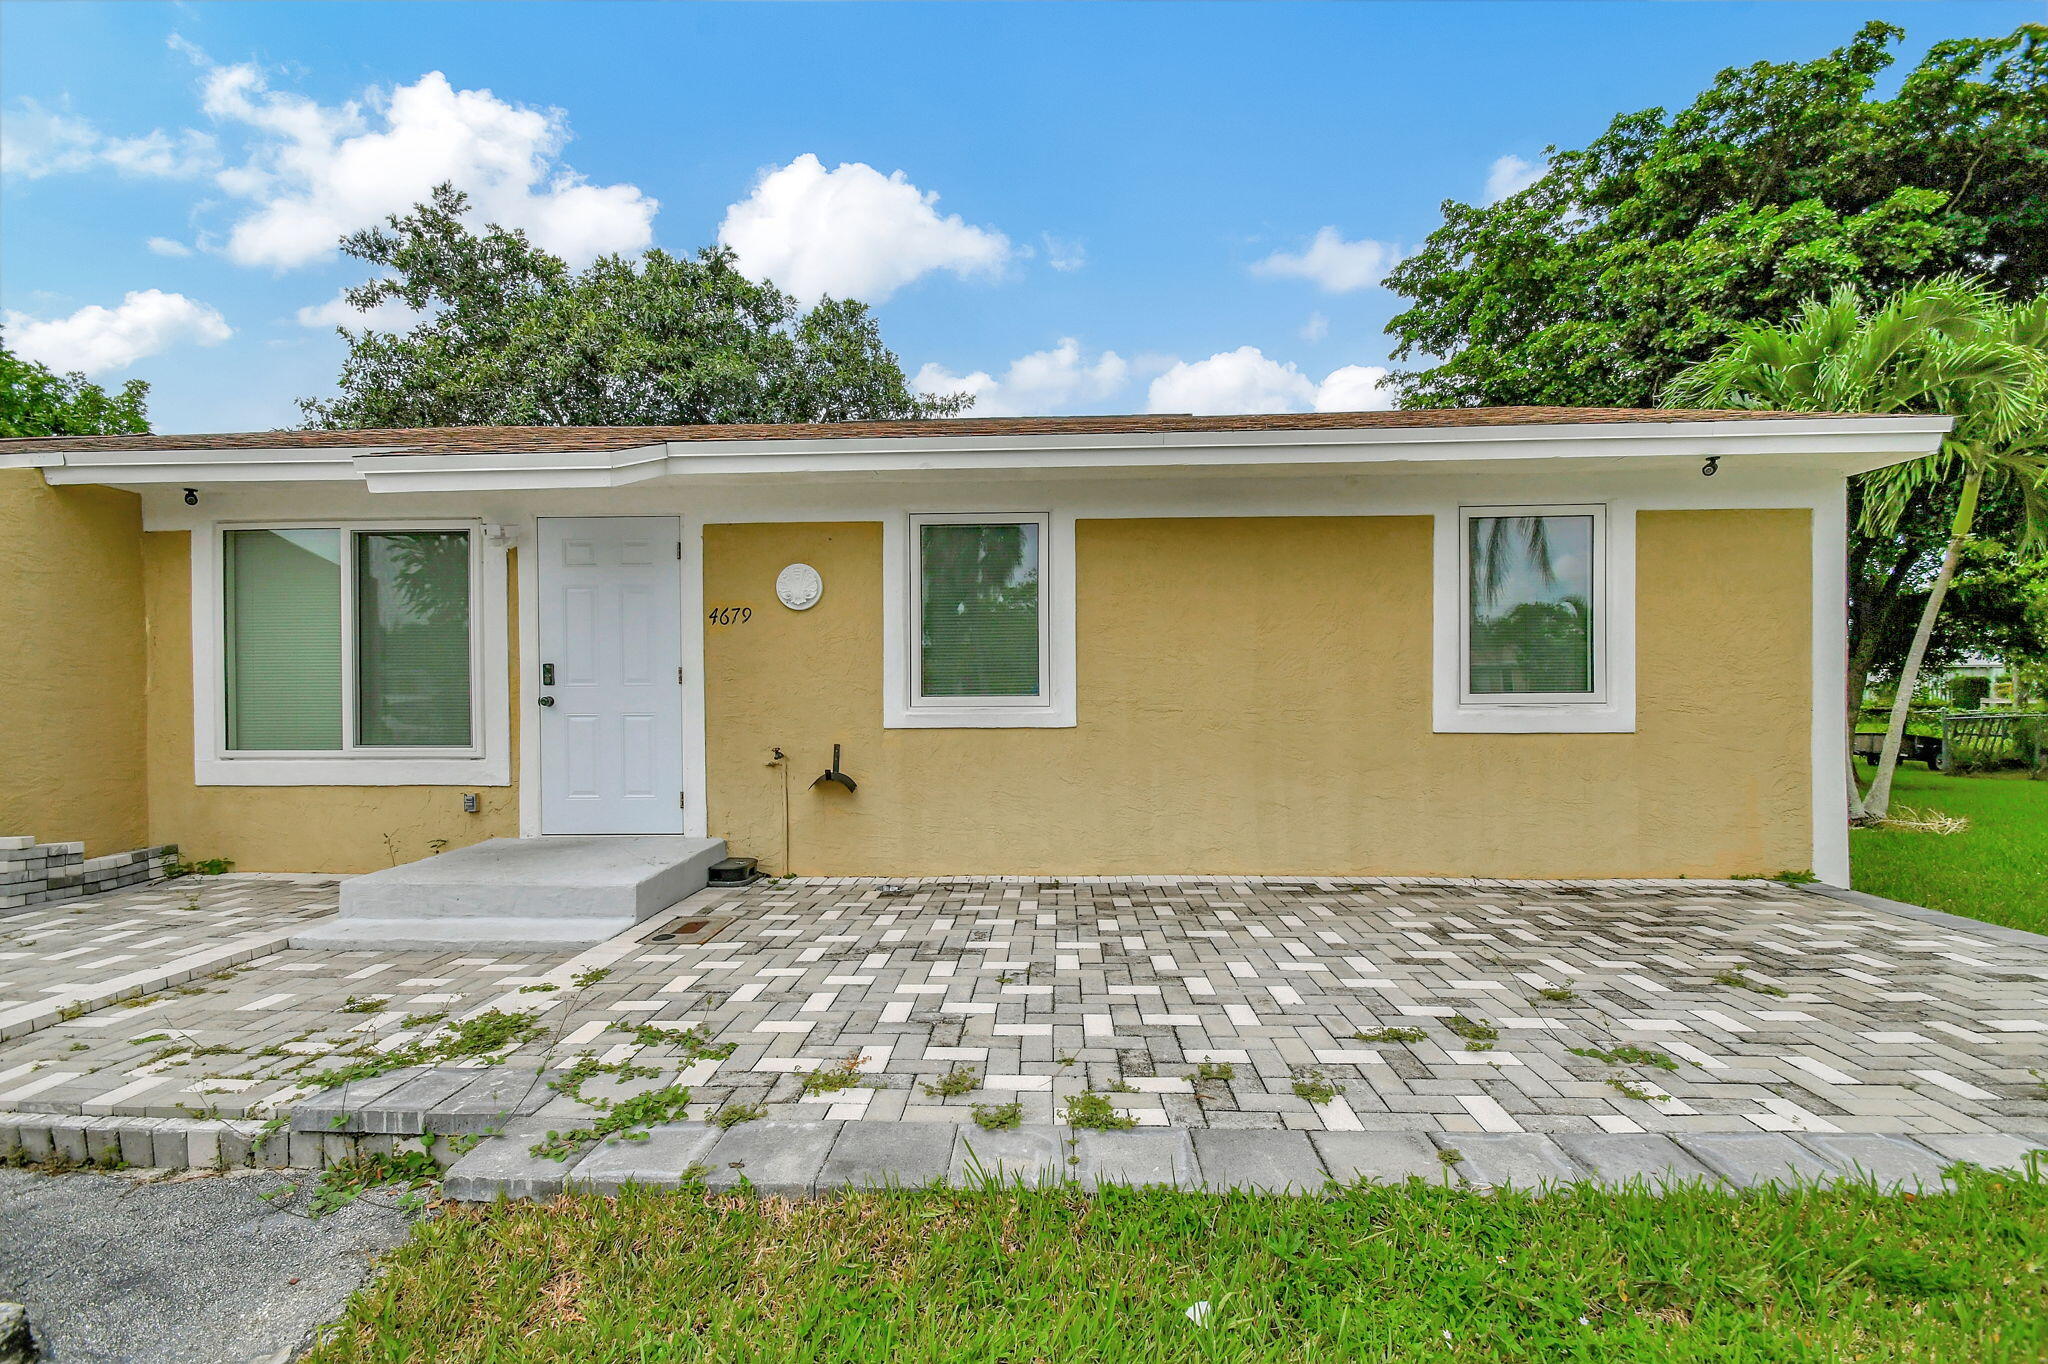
1998 933
803 1158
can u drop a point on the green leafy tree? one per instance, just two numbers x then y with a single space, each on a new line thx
35 401
1948 345
1636 255
509 335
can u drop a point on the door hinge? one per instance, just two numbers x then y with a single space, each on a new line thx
679 549
682 800
679 677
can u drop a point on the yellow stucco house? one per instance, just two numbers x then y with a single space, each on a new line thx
1518 642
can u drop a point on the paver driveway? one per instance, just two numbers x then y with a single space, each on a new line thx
1768 1007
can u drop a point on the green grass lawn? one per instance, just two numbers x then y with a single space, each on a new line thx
1376 1273
1997 870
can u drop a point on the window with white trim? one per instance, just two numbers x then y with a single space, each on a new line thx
356 641
978 621
1534 624
1532 605
981 626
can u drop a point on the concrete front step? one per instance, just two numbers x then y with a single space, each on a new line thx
535 894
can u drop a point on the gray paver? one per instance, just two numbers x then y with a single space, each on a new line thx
1893 1162
1749 1159
404 1110
1146 1155
494 1097
1620 1157
1028 1155
1274 1162
774 1157
893 1155
660 1161
1521 1160
1991 1150
1379 1157
505 1165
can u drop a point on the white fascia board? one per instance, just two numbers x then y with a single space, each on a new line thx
1841 445
129 467
511 469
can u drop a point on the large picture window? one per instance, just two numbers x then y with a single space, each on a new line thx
348 641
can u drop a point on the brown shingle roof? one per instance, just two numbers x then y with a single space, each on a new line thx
459 440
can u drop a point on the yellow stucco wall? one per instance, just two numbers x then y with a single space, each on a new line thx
1254 696
286 828
71 664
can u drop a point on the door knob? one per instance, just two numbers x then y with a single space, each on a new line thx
547 700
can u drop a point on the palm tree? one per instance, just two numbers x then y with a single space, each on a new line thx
1948 345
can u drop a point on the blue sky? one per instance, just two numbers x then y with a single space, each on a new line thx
1136 206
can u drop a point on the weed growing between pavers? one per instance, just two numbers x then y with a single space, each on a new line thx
1316 1087
999 1117
952 1084
1392 1035
839 1075
1411 1272
732 1115
1094 1111
693 1043
1471 1029
487 1038
1736 978
620 1120
415 1175
1628 1056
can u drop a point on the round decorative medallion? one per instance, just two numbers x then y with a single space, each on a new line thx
799 587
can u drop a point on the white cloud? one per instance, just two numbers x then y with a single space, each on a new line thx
390 315
1241 380
1355 388
95 340
1247 380
851 232
1316 328
313 172
165 246
1510 174
1037 384
1064 255
1335 265
35 141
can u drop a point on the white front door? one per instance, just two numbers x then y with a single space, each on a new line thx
609 684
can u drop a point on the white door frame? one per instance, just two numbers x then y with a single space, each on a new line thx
526 537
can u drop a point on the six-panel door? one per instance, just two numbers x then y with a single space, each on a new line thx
611 719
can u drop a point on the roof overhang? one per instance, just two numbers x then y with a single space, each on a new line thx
1839 445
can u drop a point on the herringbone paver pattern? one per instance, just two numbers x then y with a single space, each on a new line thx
1769 1009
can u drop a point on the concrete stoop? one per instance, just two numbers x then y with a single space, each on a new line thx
799 1159
518 894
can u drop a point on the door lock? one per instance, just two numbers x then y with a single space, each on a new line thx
547 700
547 674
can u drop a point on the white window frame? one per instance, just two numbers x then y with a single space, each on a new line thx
484 762
1610 708
903 705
